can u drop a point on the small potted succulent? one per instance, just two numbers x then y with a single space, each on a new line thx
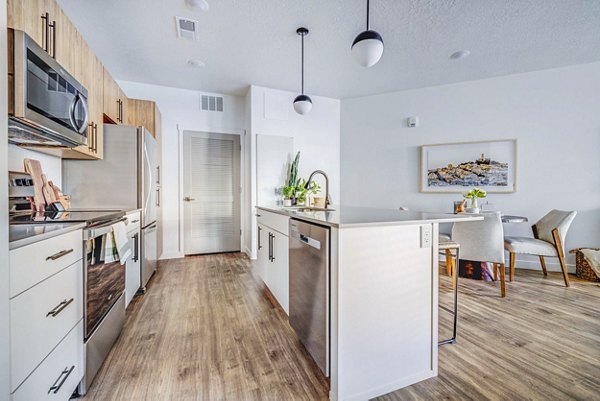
473 195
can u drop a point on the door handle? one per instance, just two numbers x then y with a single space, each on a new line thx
91 137
188 199
59 254
136 246
45 31
53 26
259 245
59 308
55 388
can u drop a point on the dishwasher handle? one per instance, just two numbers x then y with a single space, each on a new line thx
306 239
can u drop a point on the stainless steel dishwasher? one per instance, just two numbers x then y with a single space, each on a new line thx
309 288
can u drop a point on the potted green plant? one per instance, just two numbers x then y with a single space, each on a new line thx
304 188
473 195
288 192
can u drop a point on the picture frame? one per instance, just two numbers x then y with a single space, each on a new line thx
458 167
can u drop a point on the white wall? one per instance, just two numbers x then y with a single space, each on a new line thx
180 110
4 321
316 135
51 165
554 114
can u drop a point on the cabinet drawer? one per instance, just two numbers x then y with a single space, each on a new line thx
59 374
41 316
33 263
134 218
275 221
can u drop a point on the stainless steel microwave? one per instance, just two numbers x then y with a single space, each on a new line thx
46 106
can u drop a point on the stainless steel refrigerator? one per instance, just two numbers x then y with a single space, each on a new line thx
127 178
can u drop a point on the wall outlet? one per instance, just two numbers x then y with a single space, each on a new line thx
426 236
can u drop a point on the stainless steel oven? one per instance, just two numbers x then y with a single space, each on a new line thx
104 300
47 106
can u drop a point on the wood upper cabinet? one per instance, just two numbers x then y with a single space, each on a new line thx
145 113
115 101
27 16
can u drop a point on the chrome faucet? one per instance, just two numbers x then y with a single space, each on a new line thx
327 197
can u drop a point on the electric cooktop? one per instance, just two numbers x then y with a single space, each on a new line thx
91 217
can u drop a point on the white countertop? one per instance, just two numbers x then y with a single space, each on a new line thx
348 216
25 234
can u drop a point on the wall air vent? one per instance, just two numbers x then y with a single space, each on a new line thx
187 28
211 103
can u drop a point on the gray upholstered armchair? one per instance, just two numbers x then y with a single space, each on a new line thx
549 241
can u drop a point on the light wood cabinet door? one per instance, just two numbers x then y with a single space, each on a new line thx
111 99
27 16
145 113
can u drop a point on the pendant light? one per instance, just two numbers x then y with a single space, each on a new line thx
367 48
302 103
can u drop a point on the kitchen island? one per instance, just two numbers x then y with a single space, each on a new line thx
382 294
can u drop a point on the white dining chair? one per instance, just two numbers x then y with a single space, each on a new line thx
549 235
483 241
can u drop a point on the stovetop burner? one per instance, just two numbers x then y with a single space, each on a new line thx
70 216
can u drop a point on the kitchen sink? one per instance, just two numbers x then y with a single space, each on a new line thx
310 209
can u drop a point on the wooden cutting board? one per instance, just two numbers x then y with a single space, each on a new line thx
34 168
48 191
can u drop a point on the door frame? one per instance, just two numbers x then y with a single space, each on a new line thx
180 139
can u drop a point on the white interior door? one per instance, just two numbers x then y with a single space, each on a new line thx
211 193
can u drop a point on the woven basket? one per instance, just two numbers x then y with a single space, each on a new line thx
582 267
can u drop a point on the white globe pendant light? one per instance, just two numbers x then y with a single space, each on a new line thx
367 47
302 103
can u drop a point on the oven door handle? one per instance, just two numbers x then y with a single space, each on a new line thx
94 232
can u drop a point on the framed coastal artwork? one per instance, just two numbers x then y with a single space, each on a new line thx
457 167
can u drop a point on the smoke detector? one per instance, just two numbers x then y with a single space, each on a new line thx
201 5
187 28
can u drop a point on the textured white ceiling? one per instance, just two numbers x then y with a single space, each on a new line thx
247 42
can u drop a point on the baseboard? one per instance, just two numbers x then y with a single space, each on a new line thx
171 255
389 387
249 253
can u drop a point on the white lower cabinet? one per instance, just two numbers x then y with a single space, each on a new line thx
59 374
272 263
41 317
46 318
133 265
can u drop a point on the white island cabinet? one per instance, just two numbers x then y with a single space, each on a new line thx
272 261
382 298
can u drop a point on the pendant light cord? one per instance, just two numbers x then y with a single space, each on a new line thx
303 63
368 14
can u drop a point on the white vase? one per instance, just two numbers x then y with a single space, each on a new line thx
473 210
287 202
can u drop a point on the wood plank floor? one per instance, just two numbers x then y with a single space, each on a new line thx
206 331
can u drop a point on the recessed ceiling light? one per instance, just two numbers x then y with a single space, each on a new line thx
460 54
197 4
196 63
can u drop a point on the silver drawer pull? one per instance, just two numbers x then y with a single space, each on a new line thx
59 308
135 221
56 388
60 254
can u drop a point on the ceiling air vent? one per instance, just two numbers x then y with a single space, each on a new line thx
211 103
187 28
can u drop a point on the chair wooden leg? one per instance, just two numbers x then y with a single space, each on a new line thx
502 280
449 262
495 271
561 256
511 274
543 263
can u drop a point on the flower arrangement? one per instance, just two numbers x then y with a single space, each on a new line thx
473 195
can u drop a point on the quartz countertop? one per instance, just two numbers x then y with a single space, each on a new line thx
25 234
348 216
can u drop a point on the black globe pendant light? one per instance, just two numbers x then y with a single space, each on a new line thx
367 48
302 103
